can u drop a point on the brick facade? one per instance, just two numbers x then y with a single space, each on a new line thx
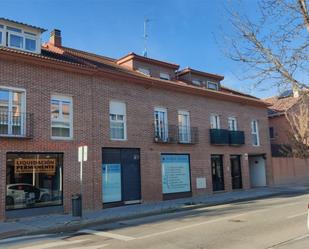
91 95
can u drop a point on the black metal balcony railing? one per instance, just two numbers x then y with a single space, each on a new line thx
165 134
16 124
219 136
187 135
236 137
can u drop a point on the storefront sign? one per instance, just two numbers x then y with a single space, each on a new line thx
175 174
29 165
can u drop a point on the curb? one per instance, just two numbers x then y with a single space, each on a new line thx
75 225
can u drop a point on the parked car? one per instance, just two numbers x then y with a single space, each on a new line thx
23 193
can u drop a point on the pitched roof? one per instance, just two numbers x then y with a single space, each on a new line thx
205 74
24 24
146 59
280 105
91 63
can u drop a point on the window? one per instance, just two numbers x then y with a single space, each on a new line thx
255 133
232 122
184 131
271 132
161 127
165 76
196 82
144 71
30 44
33 180
16 41
212 85
1 35
18 38
117 116
175 173
214 121
12 116
62 117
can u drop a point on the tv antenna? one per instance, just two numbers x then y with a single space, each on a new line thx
146 21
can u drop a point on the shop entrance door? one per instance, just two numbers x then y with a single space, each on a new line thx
121 180
236 172
217 172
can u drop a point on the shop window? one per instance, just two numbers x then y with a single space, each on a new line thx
61 117
117 115
175 173
33 180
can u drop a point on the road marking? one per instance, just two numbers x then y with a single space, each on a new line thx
297 215
108 235
54 244
213 221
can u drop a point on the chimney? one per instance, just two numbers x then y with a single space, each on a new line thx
55 38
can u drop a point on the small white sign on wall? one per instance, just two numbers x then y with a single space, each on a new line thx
200 182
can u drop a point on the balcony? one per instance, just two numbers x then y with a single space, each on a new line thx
165 134
16 125
219 136
187 135
236 138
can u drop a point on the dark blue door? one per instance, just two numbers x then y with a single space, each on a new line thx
129 162
131 178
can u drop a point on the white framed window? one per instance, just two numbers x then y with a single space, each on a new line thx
214 121
117 118
12 111
232 123
212 85
2 36
165 76
196 82
19 39
144 71
161 124
255 133
184 129
61 117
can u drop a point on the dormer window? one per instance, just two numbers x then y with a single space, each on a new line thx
196 82
212 85
20 36
165 76
144 71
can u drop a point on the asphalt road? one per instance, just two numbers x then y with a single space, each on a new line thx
278 222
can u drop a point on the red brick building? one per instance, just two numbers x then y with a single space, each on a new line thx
153 132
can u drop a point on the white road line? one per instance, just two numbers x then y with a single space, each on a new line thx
91 247
107 234
54 244
213 221
297 215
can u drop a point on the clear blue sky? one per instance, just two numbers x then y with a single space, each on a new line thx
180 31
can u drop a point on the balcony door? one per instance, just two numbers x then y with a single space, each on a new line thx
12 118
161 128
184 133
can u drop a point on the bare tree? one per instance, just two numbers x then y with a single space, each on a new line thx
298 119
274 47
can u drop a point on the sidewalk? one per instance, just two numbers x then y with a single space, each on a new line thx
65 222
